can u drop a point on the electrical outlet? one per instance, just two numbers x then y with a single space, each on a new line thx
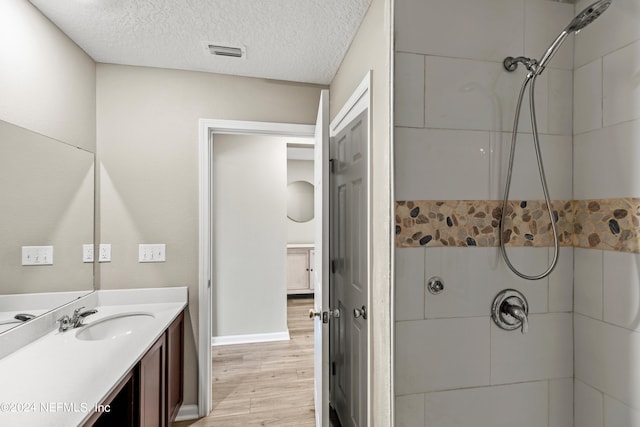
37 255
87 253
105 252
152 252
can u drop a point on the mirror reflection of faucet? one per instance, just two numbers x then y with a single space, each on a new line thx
18 318
510 310
23 317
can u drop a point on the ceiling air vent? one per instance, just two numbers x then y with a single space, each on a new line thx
234 52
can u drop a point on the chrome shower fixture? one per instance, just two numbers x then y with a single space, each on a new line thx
584 18
535 68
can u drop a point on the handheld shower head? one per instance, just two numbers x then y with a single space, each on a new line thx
584 18
588 15
534 69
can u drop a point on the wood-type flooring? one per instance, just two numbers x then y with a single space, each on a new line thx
265 384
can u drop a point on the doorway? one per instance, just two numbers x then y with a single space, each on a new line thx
322 313
208 130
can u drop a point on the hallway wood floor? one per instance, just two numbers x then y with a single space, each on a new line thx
265 384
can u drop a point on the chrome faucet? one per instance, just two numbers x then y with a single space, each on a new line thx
510 311
517 312
76 321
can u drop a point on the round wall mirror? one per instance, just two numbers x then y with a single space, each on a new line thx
300 201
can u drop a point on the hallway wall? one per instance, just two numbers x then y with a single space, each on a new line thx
250 235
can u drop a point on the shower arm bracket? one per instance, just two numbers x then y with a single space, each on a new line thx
511 64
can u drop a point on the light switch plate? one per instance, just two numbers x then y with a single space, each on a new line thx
105 252
87 253
152 252
37 255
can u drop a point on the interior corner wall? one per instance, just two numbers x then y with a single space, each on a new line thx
300 232
147 137
606 158
47 82
371 50
250 235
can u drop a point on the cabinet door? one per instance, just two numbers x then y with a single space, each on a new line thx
175 370
297 269
119 408
312 262
152 385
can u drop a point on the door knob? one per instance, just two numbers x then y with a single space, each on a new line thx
313 313
360 312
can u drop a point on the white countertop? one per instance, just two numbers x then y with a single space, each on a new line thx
32 303
57 379
300 245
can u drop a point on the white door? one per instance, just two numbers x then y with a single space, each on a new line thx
349 287
321 261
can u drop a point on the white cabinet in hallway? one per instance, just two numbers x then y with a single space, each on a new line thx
300 259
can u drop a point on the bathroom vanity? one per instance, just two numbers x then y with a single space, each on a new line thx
123 367
151 393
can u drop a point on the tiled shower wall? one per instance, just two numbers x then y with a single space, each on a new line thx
453 114
453 110
607 165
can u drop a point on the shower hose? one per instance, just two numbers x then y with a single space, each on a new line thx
531 78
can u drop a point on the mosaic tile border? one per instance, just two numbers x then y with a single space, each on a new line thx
609 224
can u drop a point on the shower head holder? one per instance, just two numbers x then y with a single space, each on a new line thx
511 64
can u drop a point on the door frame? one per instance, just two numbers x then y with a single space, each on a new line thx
358 102
207 128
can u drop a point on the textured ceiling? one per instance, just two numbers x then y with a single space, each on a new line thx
296 40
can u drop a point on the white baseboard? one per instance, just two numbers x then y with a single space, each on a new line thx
250 338
187 412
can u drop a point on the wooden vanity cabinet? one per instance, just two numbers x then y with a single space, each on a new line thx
152 392
122 410
152 373
175 370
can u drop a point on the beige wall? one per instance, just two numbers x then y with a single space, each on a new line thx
46 190
47 95
47 82
147 142
250 235
371 50
147 138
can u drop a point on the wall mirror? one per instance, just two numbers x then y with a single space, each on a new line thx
300 201
46 199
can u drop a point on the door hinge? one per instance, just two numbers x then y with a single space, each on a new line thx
333 266
209 284
332 165
333 368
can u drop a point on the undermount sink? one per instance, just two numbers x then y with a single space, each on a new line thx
115 326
